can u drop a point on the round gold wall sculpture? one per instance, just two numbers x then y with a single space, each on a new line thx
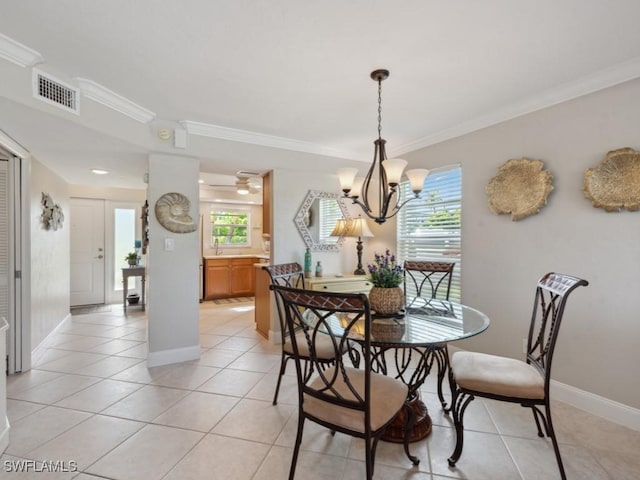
520 188
615 183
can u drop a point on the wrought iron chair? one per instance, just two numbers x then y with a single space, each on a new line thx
292 275
357 402
423 281
516 381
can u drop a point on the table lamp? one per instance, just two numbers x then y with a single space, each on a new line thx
358 228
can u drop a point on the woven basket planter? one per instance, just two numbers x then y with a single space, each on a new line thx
386 301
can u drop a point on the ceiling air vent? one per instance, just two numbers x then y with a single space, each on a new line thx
55 92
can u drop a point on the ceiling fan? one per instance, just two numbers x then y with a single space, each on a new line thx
245 183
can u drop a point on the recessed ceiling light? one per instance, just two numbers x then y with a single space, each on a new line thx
99 171
200 181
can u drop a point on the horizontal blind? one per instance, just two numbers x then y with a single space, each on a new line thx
330 213
429 227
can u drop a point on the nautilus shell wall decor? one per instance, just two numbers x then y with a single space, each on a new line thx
172 211
520 188
615 183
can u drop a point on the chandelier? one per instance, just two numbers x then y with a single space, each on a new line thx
388 173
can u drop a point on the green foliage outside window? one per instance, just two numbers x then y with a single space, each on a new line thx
230 228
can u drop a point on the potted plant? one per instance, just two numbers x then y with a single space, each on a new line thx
386 297
132 259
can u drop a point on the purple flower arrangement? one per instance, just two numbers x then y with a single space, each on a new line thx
385 272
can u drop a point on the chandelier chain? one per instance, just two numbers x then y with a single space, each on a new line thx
379 108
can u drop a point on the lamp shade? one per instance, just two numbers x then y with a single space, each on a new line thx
417 176
340 229
358 227
346 177
356 188
393 167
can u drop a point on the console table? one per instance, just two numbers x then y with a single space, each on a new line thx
347 283
136 271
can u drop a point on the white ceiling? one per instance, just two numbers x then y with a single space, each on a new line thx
294 74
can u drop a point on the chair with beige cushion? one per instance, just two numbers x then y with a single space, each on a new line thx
515 381
292 275
423 281
353 401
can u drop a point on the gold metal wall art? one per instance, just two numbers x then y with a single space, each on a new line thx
172 212
520 188
615 183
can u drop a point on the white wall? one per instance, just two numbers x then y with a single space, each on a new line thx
50 262
502 260
173 309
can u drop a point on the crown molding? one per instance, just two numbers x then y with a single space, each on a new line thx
18 53
108 98
600 80
245 136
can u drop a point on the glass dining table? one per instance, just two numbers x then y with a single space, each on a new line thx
407 346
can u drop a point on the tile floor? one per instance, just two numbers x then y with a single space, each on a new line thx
91 400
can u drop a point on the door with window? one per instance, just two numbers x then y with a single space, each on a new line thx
87 252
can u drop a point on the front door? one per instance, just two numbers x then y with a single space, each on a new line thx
87 251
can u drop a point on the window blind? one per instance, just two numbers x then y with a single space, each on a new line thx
429 228
330 213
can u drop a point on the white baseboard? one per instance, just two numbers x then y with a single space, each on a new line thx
4 436
174 355
595 404
40 350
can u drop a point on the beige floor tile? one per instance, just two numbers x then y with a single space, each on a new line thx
108 367
146 404
17 409
315 438
87 442
220 457
119 332
536 460
112 347
484 456
265 346
55 390
619 466
231 382
512 419
139 351
197 411
148 454
228 329
355 470
87 329
255 420
59 339
217 357
138 336
73 362
476 416
99 396
29 379
49 355
393 454
140 373
185 375
40 427
310 465
266 388
256 362
209 341
241 344
82 344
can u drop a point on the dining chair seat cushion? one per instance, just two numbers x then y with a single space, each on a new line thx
324 348
492 374
387 398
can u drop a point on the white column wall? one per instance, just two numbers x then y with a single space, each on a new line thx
172 282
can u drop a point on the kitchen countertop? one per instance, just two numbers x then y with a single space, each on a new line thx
241 255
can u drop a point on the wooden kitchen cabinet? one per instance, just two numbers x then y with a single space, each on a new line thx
229 277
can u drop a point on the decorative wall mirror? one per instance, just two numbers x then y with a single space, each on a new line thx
316 219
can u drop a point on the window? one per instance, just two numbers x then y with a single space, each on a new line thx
429 228
124 242
330 213
231 227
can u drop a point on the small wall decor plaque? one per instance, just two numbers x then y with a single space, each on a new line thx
615 183
172 211
520 188
52 216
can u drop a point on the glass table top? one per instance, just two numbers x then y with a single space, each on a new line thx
434 321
